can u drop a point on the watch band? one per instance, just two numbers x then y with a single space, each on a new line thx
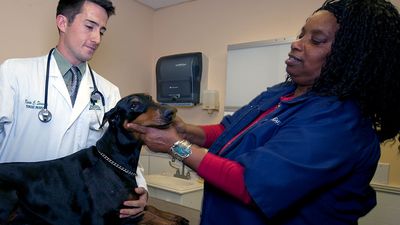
181 149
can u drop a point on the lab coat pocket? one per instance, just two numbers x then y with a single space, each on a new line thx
96 118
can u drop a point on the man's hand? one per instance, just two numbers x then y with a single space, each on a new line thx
136 207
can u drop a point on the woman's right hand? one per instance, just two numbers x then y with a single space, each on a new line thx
180 127
157 140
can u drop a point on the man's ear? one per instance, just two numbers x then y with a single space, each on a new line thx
62 23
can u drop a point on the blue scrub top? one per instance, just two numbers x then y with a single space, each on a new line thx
308 162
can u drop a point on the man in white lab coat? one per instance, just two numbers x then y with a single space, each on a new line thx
26 134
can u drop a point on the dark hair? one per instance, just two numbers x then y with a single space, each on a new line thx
364 63
70 8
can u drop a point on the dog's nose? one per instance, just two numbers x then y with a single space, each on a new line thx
169 113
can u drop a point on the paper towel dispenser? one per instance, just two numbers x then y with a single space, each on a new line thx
178 78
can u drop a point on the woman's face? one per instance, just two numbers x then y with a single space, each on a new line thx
308 53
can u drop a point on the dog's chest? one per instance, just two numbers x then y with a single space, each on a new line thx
107 189
92 193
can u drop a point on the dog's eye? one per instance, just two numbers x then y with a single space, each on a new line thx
138 108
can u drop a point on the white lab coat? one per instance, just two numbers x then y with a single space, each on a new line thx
23 137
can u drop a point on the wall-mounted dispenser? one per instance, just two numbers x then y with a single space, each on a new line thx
178 79
210 100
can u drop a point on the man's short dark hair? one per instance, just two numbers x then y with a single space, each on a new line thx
70 8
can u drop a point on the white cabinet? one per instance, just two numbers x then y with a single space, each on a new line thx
188 193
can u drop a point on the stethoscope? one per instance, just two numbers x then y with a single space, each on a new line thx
45 115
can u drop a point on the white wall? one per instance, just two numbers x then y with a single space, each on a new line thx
124 56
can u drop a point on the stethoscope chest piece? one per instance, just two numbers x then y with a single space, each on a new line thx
44 115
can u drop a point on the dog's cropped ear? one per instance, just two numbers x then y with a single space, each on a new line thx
112 117
128 108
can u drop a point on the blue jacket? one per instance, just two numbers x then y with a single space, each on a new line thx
308 162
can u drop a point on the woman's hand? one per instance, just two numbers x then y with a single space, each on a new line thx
180 127
157 140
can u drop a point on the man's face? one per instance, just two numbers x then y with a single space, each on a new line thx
81 37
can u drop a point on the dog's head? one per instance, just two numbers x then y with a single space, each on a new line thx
124 146
140 109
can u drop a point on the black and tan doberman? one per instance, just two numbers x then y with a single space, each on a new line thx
87 187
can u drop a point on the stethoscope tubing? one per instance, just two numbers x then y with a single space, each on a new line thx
47 79
44 114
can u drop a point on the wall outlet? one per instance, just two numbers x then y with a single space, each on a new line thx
381 174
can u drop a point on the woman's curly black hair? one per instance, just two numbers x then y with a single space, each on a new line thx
364 63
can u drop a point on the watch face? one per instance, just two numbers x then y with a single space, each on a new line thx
181 149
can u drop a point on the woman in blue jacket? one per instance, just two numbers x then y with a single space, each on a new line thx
304 151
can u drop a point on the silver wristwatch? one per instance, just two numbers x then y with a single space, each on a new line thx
181 150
